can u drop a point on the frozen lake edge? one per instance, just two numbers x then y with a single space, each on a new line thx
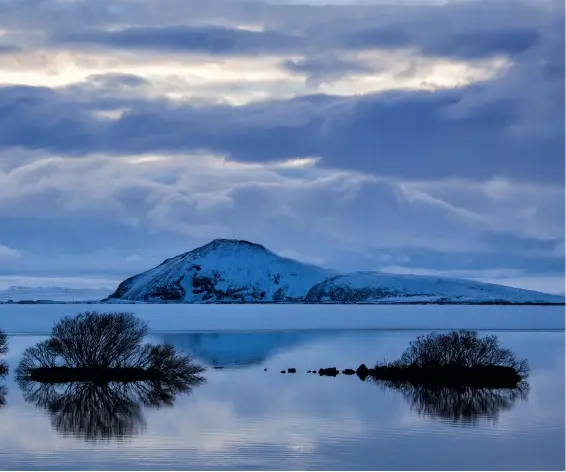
39 319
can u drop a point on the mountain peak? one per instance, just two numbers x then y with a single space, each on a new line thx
224 270
233 242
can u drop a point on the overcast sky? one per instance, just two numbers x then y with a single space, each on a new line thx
416 136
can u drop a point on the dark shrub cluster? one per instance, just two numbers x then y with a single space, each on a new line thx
458 358
3 365
3 351
95 373
460 349
104 342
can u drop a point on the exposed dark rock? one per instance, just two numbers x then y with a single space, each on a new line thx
283 372
173 291
123 288
362 372
280 294
348 371
329 372
292 371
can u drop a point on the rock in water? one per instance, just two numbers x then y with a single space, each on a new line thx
329 372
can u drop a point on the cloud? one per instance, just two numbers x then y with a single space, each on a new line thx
204 39
8 49
399 134
425 135
8 253
100 211
481 43
326 68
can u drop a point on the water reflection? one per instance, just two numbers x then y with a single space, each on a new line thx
459 406
234 349
93 411
249 418
3 366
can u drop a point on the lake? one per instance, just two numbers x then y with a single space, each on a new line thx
246 417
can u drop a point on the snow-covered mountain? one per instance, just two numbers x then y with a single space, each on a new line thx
232 271
224 270
377 287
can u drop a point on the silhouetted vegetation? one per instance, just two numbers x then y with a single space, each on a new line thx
3 366
3 351
95 373
459 358
104 346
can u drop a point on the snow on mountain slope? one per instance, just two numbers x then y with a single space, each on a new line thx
59 294
377 287
223 270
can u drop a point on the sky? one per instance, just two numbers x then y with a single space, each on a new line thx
420 136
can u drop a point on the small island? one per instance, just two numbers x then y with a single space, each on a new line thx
102 348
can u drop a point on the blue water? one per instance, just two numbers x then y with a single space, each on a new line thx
247 418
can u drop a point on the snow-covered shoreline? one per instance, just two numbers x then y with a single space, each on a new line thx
39 319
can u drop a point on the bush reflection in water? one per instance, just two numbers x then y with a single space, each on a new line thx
458 405
95 375
3 366
92 410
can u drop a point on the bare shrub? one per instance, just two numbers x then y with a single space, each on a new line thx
98 341
94 339
3 350
3 342
95 373
460 349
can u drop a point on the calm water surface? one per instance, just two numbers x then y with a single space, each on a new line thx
247 418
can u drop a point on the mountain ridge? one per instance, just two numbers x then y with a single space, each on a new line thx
240 271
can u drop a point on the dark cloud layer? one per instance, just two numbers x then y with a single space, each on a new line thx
407 134
204 39
9 49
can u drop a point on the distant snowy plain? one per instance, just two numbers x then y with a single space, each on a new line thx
39 319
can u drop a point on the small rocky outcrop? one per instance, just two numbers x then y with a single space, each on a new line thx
329 372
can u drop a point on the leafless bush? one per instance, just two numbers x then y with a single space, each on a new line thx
3 342
3 350
95 374
460 349
94 339
105 341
